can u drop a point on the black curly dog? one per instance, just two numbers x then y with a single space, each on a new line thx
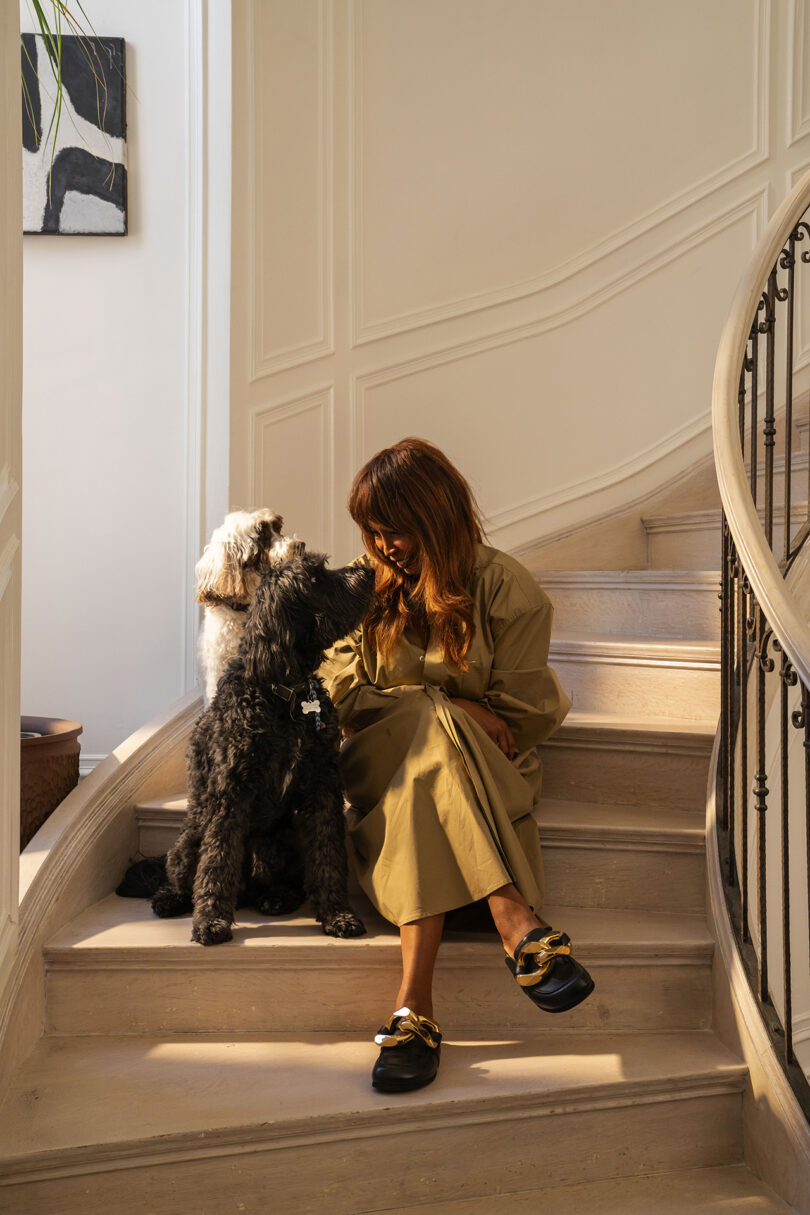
265 809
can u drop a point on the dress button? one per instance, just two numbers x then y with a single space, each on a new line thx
421 658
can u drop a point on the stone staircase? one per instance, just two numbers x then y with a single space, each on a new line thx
176 1079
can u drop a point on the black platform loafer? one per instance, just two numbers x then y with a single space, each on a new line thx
544 968
409 1057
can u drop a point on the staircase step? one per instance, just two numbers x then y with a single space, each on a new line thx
726 1190
643 676
159 822
621 857
648 603
187 1123
119 969
608 758
693 540
632 857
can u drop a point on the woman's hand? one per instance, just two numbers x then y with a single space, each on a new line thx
495 727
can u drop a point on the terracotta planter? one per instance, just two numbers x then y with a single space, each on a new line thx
49 769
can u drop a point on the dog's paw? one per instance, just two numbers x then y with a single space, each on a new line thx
211 932
343 924
167 902
280 901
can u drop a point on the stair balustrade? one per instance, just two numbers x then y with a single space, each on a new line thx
761 377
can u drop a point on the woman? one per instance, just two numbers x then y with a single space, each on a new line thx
444 695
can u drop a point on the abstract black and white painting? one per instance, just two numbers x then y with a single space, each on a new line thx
78 186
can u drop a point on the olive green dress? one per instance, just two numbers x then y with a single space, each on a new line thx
440 816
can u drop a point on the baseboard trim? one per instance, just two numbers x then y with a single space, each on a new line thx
88 763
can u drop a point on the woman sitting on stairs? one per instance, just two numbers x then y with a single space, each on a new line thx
443 696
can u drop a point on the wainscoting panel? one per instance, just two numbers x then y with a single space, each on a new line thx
498 231
482 218
289 129
301 493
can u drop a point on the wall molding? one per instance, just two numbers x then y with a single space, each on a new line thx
217 304
798 121
88 763
364 330
262 417
754 206
195 330
693 435
263 362
697 428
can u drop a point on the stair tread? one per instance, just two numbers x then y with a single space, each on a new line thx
687 728
610 645
714 515
599 579
557 815
727 1190
610 822
116 926
87 1094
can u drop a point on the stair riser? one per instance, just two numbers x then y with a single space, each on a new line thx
623 878
798 480
156 838
639 691
696 547
363 1171
636 612
637 995
594 772
599 876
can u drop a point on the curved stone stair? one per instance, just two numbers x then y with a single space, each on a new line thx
172 1078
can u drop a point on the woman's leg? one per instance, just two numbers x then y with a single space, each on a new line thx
512 915
419 941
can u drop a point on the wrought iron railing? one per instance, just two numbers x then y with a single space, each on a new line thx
764 758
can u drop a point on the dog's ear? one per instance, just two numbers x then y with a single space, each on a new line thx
269 528
221 572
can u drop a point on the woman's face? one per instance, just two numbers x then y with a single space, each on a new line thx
397 547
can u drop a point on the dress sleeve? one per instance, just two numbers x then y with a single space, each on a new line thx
344 674
523 689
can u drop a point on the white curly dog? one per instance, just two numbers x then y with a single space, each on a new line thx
228 574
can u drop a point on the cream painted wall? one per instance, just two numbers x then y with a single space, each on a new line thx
514 230
105 416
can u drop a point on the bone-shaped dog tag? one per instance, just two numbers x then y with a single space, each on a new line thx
310 706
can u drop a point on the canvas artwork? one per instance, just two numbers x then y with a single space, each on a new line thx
87 190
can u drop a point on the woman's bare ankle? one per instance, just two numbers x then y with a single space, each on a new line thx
512 939
513 917
416 1001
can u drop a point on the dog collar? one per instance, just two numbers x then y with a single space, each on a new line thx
312 705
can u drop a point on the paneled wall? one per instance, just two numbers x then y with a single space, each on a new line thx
512 229
10 474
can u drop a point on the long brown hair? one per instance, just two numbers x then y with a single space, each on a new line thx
413 489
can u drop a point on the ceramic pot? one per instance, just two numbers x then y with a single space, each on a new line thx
49 769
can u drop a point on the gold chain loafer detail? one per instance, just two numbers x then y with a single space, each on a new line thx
551 978
542 954
409 1057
